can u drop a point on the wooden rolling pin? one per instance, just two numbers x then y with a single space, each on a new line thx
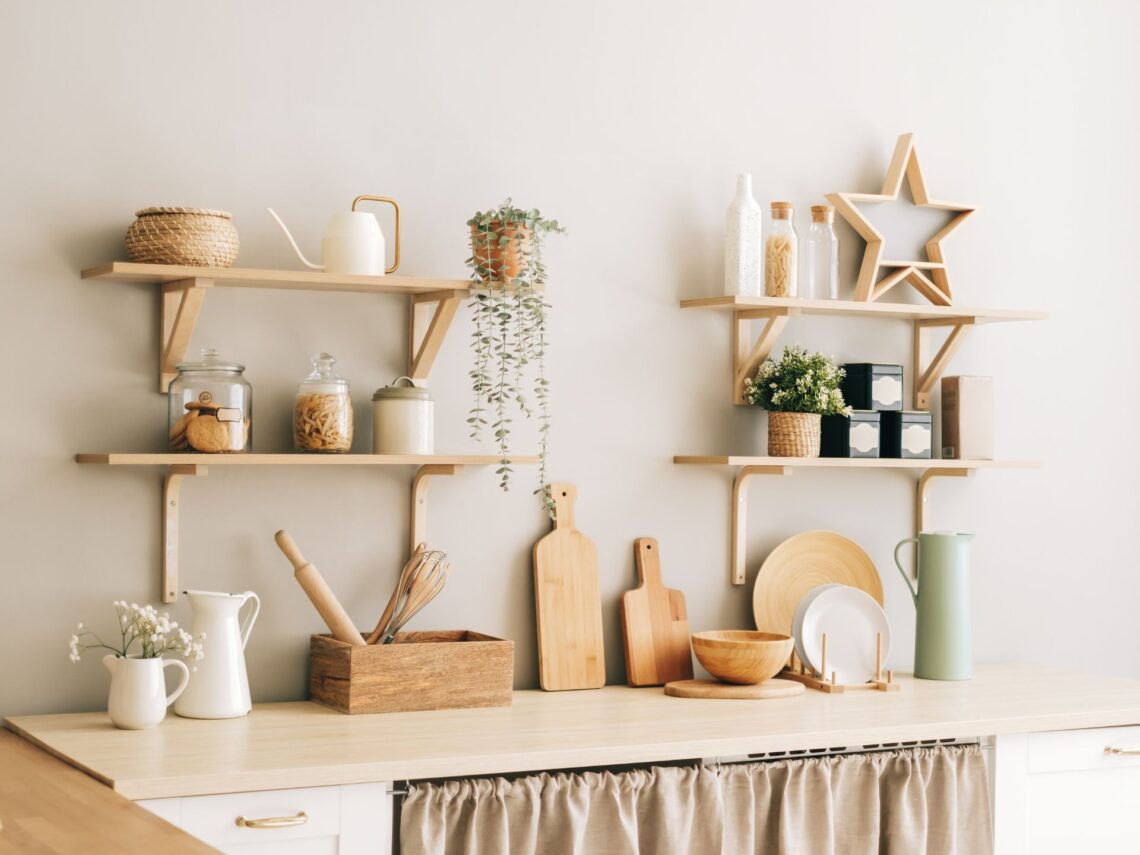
319 593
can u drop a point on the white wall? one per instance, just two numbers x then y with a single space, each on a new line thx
629 122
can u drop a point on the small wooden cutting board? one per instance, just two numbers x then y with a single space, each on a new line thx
568 606
654 623
773 688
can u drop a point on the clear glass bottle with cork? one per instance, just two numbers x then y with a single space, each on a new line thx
780 253
821 260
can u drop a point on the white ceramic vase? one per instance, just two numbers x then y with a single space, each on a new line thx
220 686
138 696
742 274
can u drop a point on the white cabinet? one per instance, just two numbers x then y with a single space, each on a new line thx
1061 792
345 820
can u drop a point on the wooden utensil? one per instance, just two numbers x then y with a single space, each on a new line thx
803 562
713 689
319 593
742 655
654 624
397 592
567 603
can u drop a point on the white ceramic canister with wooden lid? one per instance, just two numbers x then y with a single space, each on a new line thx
403 419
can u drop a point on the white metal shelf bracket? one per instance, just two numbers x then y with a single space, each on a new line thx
417 524
171 489
738 564
181 303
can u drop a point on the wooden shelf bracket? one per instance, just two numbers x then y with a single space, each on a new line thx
748 355
740 517
422 354
181 303
171 490
417 524
927 374
920 492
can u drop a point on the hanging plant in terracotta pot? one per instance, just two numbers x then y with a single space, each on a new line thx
796 391
509 340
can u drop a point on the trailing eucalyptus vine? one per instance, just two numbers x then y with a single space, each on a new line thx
509 341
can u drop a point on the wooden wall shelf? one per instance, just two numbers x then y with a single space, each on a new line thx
746 467
749 351
184 290
180 465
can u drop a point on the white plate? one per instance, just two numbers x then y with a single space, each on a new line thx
798 618
850 618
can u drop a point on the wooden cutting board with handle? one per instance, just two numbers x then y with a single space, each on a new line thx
568 605
655 624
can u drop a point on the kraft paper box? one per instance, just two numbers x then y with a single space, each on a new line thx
968 418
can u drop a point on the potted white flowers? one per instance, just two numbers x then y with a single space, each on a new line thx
138 696
796 392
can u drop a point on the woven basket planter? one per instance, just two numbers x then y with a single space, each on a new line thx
793 434
189 236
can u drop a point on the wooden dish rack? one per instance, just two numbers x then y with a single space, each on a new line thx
823 682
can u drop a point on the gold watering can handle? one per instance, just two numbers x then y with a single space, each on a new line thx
392 202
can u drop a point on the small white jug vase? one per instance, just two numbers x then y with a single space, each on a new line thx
219 687
138 698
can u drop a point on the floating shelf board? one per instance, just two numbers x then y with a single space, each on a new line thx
286 280
748 352
299 459
849 463
750 466
181 465
902 311
184 290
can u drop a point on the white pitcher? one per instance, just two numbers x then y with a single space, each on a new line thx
219 687
353 241
138 696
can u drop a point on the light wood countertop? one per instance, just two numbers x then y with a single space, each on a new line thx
303 745
48 808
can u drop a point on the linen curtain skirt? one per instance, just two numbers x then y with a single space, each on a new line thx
909 802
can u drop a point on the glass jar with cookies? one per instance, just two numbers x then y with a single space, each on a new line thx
211 405
322 415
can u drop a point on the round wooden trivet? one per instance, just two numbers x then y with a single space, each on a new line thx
716 689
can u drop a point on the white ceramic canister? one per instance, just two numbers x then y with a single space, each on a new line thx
403 419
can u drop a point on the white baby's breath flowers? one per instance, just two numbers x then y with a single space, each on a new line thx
155 634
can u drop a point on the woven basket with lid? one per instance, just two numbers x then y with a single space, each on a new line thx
793 434
197 237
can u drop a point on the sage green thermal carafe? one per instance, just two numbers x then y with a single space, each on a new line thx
942 647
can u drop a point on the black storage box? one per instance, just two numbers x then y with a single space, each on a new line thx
873 386
906 434
856 435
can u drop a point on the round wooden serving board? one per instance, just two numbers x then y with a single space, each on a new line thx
716 689
805 561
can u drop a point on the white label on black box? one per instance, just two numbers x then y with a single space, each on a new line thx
886 391
864 437
916 439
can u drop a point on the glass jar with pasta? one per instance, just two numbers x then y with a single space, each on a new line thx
780 253
322 415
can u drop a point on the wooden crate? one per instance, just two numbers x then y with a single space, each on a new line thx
448 669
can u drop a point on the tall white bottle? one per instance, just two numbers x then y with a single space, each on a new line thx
742 274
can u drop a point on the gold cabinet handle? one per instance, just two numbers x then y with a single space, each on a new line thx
273 821
1121 752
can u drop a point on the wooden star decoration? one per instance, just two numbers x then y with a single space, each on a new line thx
930 277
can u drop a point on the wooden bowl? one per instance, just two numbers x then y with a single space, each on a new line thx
741 655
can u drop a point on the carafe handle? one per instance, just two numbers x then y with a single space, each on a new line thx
906 577
247 624
177 663
396 207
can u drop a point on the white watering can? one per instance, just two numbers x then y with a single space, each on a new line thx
353 241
